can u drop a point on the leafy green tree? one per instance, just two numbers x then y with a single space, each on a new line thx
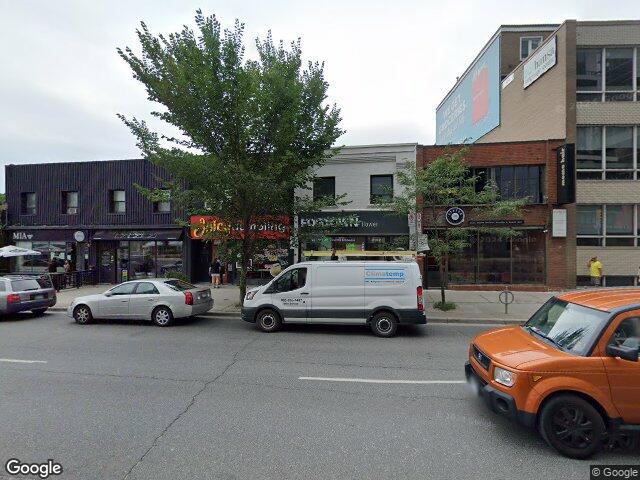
445 182
252 130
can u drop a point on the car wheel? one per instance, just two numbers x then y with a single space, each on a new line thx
384 324
82 314
572 426
39 311
162 316
269 321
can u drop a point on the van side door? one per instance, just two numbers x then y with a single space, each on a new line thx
624 375
338 294
290 293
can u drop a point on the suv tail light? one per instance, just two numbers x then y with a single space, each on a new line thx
13 298
188 298
420 299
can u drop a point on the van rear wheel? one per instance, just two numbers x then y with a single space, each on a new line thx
269 321
384 324
572 426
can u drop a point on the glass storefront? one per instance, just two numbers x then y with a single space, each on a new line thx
50 251
491 259
147 259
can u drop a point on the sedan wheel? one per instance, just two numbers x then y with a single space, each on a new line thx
82 315
162 316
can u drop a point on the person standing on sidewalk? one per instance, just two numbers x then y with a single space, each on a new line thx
595 271
214 271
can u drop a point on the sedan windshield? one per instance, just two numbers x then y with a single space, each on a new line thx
568 326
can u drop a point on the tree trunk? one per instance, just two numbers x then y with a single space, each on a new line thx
244 264
442 282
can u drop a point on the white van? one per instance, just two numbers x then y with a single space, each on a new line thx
381 294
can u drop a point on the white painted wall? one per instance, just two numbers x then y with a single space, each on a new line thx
353 167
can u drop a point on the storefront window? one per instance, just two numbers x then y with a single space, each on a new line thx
494 259
528 250
463 266
142 258
169 257
51 253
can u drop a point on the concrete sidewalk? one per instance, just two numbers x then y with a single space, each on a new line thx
471 306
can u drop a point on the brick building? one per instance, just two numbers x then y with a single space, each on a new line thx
535 258
577 83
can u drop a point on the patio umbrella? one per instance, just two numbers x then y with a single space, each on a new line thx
13 251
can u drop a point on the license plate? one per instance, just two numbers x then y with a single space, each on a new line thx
39 296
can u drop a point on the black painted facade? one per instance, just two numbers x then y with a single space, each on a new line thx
118 235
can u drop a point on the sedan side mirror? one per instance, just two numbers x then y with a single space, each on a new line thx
108 294
625 353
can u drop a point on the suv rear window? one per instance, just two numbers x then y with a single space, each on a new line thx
23 285
179 285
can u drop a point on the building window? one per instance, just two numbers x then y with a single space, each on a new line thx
324 187
607 153
117 201
528 45
163 205
606 225
381 188
70 203
28 202
615 82
513 182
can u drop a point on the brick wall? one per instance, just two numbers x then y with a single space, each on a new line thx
608 113
560 252
608 33
615 260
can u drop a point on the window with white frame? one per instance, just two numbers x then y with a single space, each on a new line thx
607 152
607 225
528 45
616 79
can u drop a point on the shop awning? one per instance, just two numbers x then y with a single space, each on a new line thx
137 235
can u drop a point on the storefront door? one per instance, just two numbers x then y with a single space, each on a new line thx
107 262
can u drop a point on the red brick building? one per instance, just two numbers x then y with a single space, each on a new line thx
542 255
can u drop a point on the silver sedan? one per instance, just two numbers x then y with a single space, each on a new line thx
158 300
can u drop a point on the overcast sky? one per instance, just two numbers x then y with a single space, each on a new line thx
389 63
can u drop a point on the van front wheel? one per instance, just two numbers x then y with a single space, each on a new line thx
268 321
384 324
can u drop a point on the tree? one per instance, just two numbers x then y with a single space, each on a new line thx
445 182
252 131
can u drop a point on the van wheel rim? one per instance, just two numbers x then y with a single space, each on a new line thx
82 314
162 317
572 427
268 321
384 325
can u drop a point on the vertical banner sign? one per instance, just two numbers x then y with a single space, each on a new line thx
559 223
566 181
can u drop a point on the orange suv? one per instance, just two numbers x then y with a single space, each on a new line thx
572 371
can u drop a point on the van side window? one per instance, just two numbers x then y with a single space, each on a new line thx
292 280
627 334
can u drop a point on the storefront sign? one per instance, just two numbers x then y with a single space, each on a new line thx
540 62
22 236
79 236
455 216
559 224
496 223
268 227
566 174
137 235
42 235
356 223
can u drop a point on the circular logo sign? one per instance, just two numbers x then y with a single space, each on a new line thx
79 236
455 216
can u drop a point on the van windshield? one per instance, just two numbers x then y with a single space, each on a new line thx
568 326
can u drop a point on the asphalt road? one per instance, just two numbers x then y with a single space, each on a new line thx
216 399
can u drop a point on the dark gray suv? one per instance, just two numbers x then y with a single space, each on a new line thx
19 293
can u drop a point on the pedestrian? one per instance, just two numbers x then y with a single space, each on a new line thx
334 256
595 271
67 266
214 271
51 266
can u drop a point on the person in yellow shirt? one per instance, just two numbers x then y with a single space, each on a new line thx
595 270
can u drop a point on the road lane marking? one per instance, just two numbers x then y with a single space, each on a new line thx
15 360
373 380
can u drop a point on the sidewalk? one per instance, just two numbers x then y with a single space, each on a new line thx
471 306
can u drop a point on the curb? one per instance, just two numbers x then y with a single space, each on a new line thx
440 320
